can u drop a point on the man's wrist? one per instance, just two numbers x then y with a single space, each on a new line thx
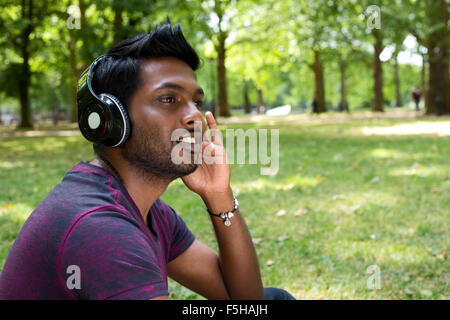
219 201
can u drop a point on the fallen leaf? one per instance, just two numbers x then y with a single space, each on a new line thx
354 164
282 238
256 240
441 255
435 190
337 197
289 186
417 166
375 179
426 293
300 212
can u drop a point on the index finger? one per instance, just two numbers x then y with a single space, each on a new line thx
215 134
210 120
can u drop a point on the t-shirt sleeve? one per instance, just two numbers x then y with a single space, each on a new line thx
181 237
114 258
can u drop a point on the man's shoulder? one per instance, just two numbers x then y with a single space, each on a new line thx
83 189
86 184
111 219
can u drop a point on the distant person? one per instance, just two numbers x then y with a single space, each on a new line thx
104 232
416 95
315 106
343 106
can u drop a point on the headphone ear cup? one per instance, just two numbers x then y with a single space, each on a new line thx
93 121
119 122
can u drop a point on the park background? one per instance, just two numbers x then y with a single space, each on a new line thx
359 208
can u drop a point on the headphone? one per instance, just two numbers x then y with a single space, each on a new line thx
101 118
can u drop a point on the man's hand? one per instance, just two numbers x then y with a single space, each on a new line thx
237 256
211 179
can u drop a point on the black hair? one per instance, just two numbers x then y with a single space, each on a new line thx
118 74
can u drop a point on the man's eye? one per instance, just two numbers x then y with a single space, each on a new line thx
198 103
167 99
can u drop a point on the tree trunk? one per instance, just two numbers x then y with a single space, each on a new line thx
73 59
398 98
118 19
343 104
438 95
213 89
75 75
422 75
224 108
433 78
55 111
378 99
319 105
246 99
259 107
25 77
445 56
423 83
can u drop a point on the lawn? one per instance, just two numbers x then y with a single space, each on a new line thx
351 195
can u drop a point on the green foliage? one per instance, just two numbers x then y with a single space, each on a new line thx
269 44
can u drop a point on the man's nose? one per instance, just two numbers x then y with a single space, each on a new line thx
191 115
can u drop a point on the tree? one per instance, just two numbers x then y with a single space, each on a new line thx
314 29
214 21
290 27
20 45
25 72
429 25
378 47
247 106
438 96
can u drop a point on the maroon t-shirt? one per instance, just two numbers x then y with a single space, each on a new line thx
87 240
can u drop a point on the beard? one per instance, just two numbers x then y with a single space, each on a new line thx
147 152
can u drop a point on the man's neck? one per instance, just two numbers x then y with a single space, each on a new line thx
144 189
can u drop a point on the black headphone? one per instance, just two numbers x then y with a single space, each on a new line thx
101 118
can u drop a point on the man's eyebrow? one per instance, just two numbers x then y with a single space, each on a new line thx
171 85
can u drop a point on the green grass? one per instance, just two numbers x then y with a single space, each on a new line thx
361 200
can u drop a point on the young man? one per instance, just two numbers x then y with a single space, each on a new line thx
104 232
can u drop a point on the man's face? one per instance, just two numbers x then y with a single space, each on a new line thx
168 99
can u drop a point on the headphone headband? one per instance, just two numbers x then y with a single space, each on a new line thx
90 74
